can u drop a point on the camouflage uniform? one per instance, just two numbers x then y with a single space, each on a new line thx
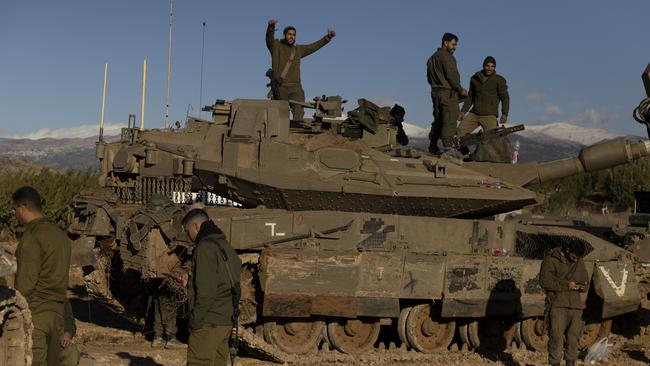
165 310
69 355
43 257
210 297
444 79
564 306
290 86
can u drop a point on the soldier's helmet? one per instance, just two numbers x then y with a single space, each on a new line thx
158 202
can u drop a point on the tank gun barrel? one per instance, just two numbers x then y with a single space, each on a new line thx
590 159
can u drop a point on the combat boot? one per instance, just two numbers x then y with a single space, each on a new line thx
157 342
173 343
570 363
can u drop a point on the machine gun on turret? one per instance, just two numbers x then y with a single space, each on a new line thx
485 136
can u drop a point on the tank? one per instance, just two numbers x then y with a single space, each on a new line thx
343 231
15 318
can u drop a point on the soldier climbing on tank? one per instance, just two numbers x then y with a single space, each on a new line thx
285 60
563 276
443 76
486 90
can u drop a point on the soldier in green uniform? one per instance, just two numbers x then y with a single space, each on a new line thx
214 274
486 90
165 309
285 60
43 257
69 352
563 275
443 76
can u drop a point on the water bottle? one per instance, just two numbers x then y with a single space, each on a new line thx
515 152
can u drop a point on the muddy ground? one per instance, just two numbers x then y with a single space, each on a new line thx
107 339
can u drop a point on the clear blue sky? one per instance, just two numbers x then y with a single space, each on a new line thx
577 61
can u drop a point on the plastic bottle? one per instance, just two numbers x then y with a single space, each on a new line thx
515 152
598 351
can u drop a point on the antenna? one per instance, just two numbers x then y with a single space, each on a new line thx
201 87
169 63
101 117
144 93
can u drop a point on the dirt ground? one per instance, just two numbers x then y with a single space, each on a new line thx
107 339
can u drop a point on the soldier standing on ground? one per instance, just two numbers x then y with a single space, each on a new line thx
285 59
486 90
443 76
69 352
563 275
164 318
215 272
43 257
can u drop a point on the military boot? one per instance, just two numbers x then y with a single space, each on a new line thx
570 362
157 342
173 343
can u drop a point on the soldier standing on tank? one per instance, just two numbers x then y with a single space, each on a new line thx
486 90
69 352
43 257
563 275
285 60
443 76
211 291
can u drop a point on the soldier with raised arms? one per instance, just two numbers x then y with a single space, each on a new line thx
285 59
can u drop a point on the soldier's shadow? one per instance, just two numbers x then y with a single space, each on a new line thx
496 330
137 360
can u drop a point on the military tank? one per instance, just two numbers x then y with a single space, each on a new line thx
15 319
344 232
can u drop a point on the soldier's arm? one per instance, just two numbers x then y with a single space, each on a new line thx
205 282
308 49
69 325
502 90
270 30
451 73
470 99
29 266
548 279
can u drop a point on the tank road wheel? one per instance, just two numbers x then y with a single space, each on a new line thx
294 336
15 329
401 325
534 334
593 331
492 333
353 336
427 331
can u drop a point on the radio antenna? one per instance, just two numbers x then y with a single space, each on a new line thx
201 85
169 63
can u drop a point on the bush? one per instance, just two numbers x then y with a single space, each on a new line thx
56 188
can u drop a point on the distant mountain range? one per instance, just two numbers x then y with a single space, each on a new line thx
538 143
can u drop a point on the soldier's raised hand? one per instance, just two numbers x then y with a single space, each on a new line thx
273 22
331 33
503 119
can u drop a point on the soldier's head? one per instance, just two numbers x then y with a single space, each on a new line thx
574 250
26 205
489 65
192 222
449 42
289 34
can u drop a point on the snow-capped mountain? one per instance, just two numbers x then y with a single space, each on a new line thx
568 132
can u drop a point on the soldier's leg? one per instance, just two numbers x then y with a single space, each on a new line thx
450 112
487 122
222 334
558 320
573 334
168 305
55 338
69 356
434 133
298 94
39 339
158 327
200 348
468 124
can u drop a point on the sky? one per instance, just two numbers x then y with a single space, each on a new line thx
565 61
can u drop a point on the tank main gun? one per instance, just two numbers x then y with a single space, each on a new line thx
590 159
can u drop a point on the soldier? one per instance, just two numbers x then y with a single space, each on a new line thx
69 352
444 79
43 257
164 321
285 59
212 283
486 90
563 275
